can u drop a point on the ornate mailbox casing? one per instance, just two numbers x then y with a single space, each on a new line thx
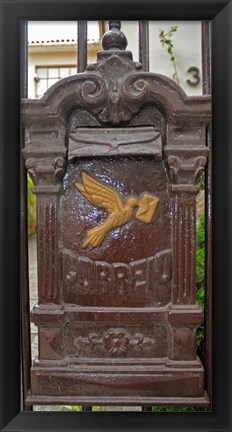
115 154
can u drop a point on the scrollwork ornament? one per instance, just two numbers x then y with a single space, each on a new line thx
200 163
174 168
186 171
59 168
116 110
115 91
122 102
94 91
135 89
31 169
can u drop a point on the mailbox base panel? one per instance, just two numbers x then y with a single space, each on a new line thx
106 380
202 402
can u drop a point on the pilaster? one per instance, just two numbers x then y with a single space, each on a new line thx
47 174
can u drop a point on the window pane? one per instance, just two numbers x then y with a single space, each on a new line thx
41 72
41 87
73 70
53 73
64 71
52 81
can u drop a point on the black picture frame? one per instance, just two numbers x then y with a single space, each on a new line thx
11 417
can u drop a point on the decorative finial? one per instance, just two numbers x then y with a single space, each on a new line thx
114 39
114 25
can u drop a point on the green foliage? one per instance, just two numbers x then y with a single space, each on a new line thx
200 260
202 181
100 408
31 207
200 272
166 41
201 297
72 408
200 340
200 278
201 232
173 409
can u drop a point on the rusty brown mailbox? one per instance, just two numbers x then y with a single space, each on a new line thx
115 154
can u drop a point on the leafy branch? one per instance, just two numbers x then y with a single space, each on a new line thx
166 40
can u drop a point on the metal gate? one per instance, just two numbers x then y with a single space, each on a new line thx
117 314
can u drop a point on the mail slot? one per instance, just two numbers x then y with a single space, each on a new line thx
115 154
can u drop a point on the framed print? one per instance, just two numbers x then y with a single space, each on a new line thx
116 177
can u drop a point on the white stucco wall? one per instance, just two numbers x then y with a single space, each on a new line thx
187 49
186 41
46 57
54 56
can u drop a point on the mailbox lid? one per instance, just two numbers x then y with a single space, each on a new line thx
115 141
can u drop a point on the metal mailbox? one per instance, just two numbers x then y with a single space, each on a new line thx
115 154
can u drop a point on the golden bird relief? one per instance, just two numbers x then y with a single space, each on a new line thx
119 212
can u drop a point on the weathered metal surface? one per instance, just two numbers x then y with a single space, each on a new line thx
206 73
82 45
24 277
117 318
119 401
144 141
144 44
206 56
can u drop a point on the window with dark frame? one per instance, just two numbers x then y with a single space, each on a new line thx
49 75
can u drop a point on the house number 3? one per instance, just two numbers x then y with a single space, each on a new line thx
195 75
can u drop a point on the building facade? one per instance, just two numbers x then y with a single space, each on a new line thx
52 51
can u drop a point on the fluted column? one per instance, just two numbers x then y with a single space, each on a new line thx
185 168
47 176
47 248
184 241
184 174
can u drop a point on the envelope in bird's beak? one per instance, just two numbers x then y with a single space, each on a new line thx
146 209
